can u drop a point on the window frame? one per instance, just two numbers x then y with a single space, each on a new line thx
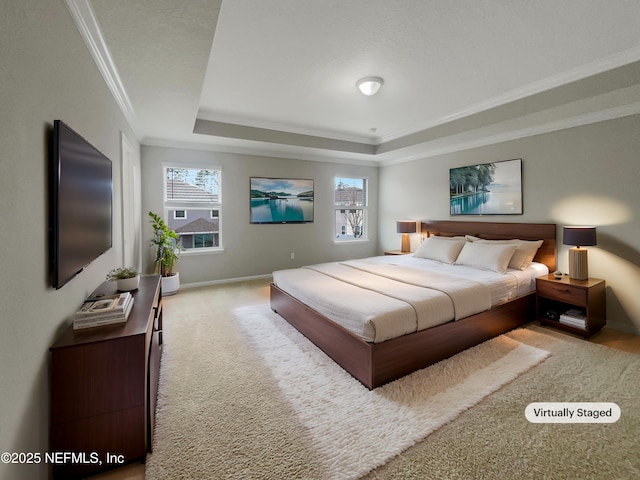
172 205
340 208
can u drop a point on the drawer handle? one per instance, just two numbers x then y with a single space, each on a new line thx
562 290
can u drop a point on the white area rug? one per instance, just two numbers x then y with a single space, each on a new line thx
354 430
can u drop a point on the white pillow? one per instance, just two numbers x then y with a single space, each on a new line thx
486 256
440 249
525 251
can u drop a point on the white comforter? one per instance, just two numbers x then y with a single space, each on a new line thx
381 298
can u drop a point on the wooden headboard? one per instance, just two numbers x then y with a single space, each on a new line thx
501 231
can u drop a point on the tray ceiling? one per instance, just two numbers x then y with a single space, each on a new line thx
278 77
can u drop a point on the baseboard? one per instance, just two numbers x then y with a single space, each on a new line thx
624 327
226 280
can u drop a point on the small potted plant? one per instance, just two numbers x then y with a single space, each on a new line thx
167 251
126 278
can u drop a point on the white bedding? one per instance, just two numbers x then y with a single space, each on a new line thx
380 298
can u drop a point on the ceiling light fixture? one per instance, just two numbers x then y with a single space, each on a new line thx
369 85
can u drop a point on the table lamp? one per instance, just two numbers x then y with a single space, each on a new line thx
405 228
578 237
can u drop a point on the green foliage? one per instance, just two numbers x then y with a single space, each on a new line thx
122 273
472 179
166 245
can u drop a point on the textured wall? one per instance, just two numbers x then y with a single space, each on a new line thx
251 250
580 176
47 73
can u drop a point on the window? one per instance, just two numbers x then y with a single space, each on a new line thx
203 240
193 205
350 222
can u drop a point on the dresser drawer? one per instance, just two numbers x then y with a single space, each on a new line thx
562 293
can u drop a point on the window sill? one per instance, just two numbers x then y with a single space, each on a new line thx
201 251
350 242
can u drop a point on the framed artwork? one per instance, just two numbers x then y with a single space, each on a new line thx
486 189
281 200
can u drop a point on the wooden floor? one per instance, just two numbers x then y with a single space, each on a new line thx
233 295
617 339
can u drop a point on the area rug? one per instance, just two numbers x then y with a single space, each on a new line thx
354 430
221 413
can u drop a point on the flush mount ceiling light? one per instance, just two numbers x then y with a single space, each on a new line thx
369 85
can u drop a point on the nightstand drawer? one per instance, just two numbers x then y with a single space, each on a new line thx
562 292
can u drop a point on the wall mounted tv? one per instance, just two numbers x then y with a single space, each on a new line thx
81 204
281 200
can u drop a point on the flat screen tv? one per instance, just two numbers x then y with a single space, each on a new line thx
281 200
81 204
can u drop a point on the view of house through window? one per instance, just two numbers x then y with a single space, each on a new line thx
193 203
350 204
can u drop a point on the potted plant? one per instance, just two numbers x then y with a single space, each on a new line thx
167 251
126 278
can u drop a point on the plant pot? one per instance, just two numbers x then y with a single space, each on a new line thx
170 285
128 284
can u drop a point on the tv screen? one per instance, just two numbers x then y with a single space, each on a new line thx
81 206
281 200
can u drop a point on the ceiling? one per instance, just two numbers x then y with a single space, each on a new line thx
278 77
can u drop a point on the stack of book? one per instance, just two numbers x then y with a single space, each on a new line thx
574 317
104 311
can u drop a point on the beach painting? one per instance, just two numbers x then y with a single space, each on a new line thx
281 200
486 189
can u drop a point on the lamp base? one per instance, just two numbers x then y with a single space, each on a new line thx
406 243
578 263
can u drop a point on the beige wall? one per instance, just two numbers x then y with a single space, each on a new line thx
585 175
47 73
251 250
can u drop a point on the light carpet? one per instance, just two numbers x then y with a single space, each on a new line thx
354 430
256 399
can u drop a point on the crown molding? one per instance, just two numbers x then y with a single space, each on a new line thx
609 63
259 149
284 128
295 141
85 20
218 129
482 139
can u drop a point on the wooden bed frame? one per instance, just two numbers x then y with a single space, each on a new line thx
375 364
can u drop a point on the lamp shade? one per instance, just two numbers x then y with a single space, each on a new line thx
406 227
579 236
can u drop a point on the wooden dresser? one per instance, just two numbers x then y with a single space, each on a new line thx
104 383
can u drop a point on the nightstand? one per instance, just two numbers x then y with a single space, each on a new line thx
396 252
577 306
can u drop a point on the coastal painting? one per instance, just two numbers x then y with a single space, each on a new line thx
281 200
486 189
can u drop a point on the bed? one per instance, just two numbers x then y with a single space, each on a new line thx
397 347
